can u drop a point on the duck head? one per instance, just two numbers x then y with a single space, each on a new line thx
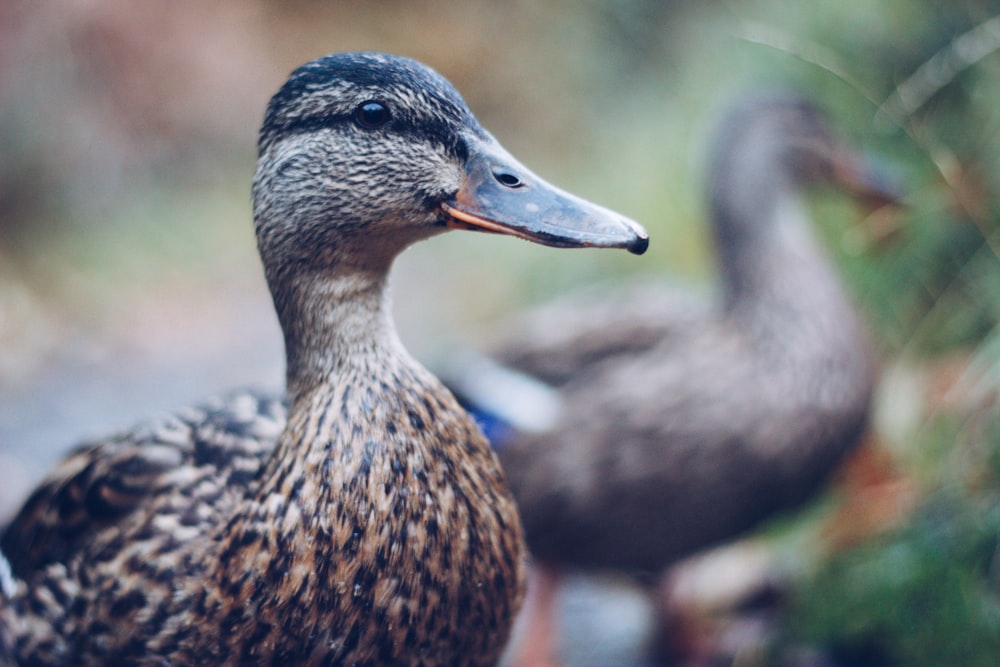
771 148
362 154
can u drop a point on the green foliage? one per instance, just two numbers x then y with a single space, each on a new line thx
928 594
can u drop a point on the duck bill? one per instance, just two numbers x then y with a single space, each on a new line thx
871 186
501 196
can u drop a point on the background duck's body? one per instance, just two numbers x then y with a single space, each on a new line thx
682 423
371 523
725 421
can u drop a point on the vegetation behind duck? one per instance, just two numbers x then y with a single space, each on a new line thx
368 524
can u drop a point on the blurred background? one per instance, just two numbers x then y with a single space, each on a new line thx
130 284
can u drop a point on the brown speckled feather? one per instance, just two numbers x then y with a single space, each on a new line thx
99 484
148 541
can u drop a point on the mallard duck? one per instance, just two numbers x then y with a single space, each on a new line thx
370 523
667 423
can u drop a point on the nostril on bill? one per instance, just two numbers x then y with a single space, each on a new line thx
507 179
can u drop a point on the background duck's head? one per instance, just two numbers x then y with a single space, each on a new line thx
361 154
772 147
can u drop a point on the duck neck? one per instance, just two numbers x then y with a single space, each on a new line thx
776 279
377 478
334 322
759 248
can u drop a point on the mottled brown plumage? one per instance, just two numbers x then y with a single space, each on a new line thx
369 524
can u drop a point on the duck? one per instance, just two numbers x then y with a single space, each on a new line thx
664 421
360 518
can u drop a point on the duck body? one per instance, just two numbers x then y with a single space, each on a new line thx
385 530
687 422
360 520
719 426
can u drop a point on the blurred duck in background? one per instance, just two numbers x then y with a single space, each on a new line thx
640 425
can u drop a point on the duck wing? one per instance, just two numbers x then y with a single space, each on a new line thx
559 340
99 484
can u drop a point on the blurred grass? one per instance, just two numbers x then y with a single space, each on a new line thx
924 595
126 150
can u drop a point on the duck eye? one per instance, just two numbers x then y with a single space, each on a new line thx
371 114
